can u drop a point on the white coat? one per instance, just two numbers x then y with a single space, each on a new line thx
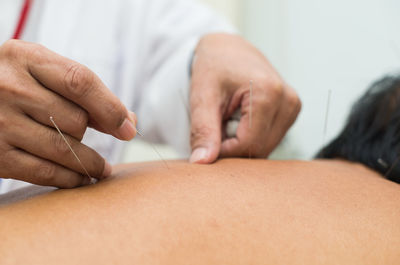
141 49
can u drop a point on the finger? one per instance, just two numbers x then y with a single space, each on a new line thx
40 103
48 144
131 117
80 85
26 167
285 118
206 119
253 137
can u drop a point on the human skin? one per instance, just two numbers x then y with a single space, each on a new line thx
35 84
231 212
222 69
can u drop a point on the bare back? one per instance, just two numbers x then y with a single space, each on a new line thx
232 212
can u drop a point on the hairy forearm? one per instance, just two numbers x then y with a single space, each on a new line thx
235 212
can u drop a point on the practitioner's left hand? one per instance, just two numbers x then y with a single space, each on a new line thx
221 72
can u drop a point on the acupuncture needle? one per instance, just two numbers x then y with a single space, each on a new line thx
325 130
395 48
182 97
70 148
138 132
251 113
154 148
396 162
328 106
251 104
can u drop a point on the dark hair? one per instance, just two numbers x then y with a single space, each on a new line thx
372 133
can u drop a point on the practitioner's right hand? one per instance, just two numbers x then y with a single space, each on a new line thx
35 84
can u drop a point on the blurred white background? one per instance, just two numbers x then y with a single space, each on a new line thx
317 46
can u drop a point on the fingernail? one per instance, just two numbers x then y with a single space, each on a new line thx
127 131
133 117
199 155
107 170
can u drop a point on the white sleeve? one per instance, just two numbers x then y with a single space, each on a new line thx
175 28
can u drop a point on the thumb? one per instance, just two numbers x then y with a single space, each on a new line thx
206 125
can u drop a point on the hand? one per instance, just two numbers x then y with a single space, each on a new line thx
221 72
35 84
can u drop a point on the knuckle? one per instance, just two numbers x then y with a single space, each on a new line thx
80 120
199 133
11 48
14 89
78 80
260 100
37 52
269 82
60 147
117 111
294 101
274 86
270 91
263 102
45 172
16 48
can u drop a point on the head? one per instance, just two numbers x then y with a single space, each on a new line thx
371 135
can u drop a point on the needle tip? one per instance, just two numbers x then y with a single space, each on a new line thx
138 132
